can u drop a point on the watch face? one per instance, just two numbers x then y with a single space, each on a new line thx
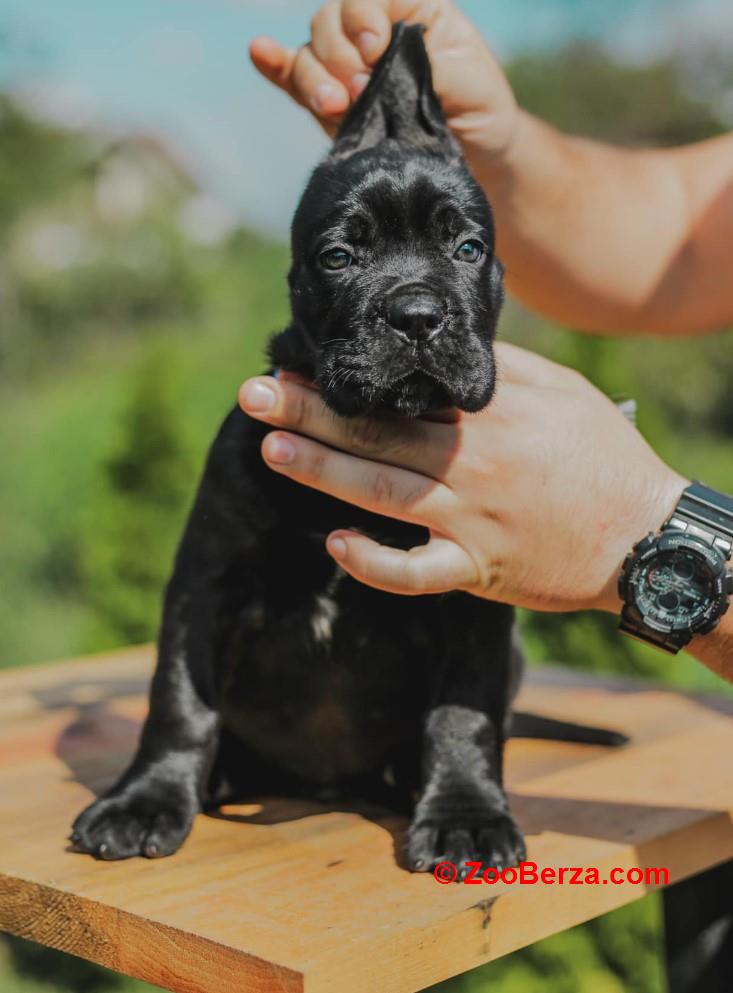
674 589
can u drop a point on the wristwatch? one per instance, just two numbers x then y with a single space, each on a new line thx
676 584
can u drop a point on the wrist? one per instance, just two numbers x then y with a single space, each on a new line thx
715 650
645 514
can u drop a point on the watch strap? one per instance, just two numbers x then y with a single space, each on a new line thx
666 641
705 514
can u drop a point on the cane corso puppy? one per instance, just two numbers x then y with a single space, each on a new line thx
278 673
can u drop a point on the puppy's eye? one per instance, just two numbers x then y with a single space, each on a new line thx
469 251
336 258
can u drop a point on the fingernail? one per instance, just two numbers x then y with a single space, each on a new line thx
323 96
367 43
280 450
337 548
358 83
257 397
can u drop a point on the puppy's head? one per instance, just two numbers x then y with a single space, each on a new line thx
395 289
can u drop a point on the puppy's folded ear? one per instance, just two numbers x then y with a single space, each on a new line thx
399 102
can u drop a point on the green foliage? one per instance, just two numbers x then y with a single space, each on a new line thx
584 91
29 968
137 511
38 163
117 366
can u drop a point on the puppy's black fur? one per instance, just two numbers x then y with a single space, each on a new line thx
277 672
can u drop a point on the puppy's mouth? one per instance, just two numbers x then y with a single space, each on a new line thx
415 393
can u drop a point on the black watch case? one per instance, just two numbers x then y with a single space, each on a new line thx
675 585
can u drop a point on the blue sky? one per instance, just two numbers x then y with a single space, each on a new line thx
180 68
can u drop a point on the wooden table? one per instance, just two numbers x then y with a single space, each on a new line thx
280 896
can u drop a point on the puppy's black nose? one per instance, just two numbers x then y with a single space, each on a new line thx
416 313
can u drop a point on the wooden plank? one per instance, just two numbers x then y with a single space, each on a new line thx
279 895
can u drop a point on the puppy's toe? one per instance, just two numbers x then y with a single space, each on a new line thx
493 839
459 847
421 850
500 844
120 827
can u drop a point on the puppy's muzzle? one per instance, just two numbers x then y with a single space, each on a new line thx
415 314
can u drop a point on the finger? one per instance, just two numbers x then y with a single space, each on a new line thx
437 567
410 444
517 365
383 489
315 87
273 60
368 23
335 51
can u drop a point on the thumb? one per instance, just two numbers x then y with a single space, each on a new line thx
438 567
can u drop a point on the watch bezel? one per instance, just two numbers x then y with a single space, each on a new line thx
672 540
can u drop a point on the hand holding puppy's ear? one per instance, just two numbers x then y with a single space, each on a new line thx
399 102
349 36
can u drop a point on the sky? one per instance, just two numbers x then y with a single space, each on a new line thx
179 68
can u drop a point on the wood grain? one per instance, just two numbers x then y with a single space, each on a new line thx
279 896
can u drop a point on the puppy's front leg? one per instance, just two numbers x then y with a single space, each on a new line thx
462 814
149 811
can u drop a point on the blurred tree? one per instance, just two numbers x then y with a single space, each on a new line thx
583 90
136 513
39 162
43 971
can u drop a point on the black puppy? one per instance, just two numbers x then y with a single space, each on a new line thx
277 672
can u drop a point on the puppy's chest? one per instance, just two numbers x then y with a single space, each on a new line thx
324 673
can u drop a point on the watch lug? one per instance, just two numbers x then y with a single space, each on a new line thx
711 624
646 542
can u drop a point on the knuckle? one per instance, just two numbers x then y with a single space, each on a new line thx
357 15
317 464
414 495
300 65
298 412
382 487
318 19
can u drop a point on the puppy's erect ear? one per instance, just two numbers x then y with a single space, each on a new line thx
399 101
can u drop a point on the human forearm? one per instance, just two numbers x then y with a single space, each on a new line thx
610 239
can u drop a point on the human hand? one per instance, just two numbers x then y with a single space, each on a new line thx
348 37
535 501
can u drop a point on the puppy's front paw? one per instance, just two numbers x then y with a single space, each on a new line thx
151 821
490 838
